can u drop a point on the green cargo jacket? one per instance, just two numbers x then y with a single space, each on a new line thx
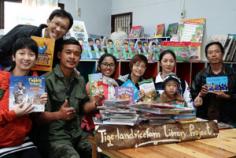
60 88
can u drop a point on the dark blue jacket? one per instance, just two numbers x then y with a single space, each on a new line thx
215 107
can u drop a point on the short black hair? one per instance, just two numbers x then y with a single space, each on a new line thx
168 51
62 13
25 42
69 41
109 40
101 60
214 43
90 40
171 77
140 43
97 39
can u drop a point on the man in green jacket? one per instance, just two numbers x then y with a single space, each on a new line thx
65 87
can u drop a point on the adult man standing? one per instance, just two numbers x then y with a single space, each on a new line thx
217 104
65 86
58 24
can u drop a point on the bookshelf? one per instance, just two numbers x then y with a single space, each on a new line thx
184 70
158 40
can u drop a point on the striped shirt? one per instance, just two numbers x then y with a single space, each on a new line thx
28 144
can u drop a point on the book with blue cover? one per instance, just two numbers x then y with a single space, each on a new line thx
27 89
219 83
125 93
129 83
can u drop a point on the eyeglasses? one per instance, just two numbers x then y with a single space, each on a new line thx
111 65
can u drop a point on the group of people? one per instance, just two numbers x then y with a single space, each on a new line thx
56 132
61 130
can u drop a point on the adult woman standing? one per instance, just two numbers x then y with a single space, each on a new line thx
137 65
107 64
167 63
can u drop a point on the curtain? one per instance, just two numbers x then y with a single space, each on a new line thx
37 3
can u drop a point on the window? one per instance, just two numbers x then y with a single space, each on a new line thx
2 11
123 21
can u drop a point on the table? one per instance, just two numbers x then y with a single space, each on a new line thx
222 146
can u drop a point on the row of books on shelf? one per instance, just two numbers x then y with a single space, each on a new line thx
187 30
184 38
230 48
185 51
150 47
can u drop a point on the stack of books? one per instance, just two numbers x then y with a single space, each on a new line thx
159 113
117 112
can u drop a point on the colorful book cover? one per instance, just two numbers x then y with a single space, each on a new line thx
124 93
219 83
160 30
192 30
96 84
46 52
172 29
27 89
136 31
147 89
184 51
129 83
78 31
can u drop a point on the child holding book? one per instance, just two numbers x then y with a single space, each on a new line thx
107 64
171 94
16 124
167 64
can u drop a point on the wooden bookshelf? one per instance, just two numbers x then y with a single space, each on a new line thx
183 71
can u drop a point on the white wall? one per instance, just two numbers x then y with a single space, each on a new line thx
220 14
95 13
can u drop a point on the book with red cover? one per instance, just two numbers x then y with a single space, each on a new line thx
160 30
136 32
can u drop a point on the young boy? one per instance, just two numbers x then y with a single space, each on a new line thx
171 93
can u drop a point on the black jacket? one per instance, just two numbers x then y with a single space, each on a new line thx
7 41
214 107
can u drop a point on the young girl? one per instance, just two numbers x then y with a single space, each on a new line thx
15 124
171 94
107 64
168 62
